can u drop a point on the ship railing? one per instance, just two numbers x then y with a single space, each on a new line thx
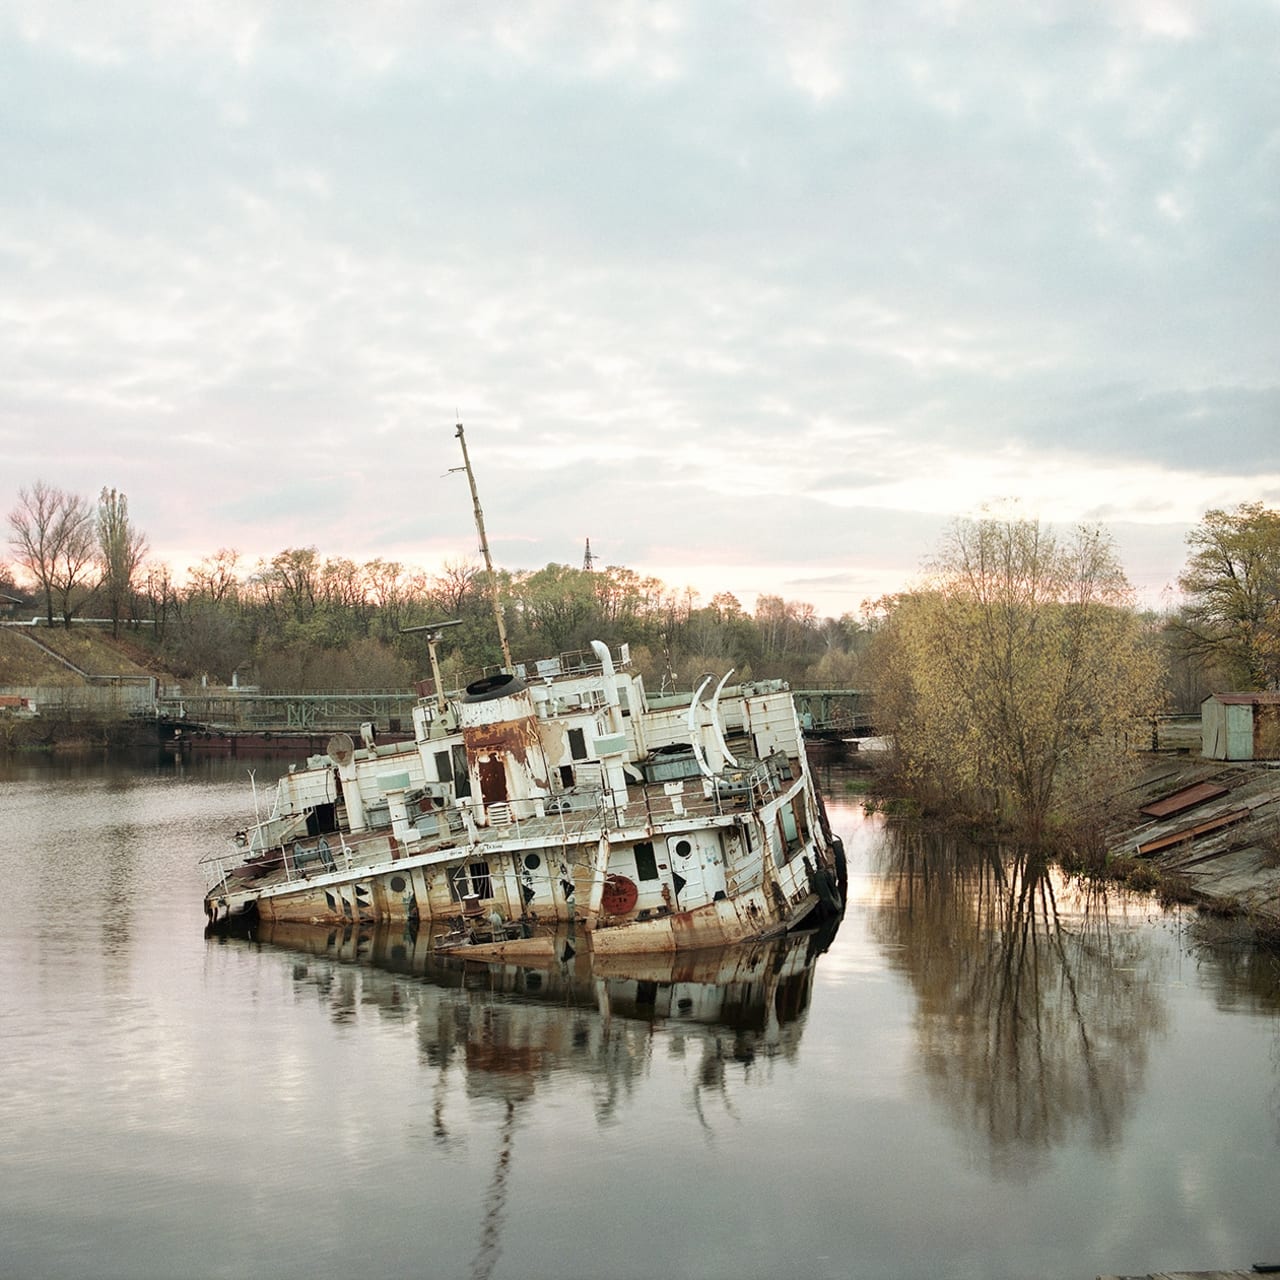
731 791
573 809
575 662
247 852
238 859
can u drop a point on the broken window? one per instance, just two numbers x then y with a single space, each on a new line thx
791 825
646 862
472 880
461 779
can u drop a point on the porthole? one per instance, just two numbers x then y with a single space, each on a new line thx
684 848
532 862
397 884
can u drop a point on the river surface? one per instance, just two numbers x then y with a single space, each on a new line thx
981 1074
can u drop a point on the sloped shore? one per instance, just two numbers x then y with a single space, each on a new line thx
1213 828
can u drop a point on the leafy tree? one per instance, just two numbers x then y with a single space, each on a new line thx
720 636
557 606
121 548
307 666
53 540
1019 673
211 631
289 584
1232 583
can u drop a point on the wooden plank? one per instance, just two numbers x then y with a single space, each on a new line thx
1149 847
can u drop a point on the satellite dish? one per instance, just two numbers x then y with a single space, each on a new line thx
341 748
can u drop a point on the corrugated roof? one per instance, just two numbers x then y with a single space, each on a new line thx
1244 699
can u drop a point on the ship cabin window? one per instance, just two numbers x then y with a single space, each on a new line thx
578 744
444 767
461 779
646 862
793 828
566 776
474 878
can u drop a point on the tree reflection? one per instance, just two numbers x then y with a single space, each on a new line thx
1244 975
1034 1008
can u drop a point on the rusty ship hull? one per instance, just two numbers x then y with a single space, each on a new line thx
554 794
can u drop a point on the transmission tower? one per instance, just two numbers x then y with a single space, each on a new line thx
588 560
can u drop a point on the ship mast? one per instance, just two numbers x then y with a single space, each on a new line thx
484 549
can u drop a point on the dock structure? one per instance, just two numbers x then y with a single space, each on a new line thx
233 712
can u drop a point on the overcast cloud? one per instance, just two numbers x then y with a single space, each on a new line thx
756 297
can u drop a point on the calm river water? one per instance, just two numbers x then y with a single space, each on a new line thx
980 1075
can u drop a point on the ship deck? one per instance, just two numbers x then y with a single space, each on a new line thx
581 819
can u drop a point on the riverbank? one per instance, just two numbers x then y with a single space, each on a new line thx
1206 832
75 732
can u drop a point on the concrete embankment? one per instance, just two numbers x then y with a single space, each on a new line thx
1210 828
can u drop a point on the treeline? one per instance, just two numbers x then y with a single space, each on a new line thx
305 621
301 620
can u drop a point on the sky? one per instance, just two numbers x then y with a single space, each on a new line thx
757 297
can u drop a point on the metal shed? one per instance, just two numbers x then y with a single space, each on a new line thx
1240 726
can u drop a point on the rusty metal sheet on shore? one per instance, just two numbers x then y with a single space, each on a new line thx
1187 798
1192 833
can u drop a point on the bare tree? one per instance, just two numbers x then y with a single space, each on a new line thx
216 577
121 548
53 540
455 583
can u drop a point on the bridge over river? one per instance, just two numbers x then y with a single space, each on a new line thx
232 713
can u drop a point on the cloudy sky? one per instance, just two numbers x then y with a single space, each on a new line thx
758 297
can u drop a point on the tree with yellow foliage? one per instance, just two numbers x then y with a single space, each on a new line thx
1232 582
1017 677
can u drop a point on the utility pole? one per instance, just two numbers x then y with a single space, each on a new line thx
484 550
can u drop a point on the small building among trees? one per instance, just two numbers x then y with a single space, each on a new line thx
10 606
1240 726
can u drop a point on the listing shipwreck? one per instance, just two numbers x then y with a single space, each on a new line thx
554 794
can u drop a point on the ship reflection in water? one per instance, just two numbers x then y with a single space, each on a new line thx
508 1029
509 1024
